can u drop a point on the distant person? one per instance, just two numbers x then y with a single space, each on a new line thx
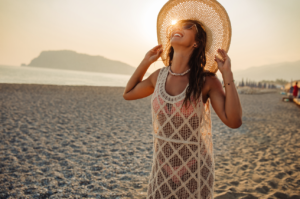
182 91
295 90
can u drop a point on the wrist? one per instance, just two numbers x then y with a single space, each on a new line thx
227 75
228 79
146 61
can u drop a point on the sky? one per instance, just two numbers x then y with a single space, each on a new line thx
263 31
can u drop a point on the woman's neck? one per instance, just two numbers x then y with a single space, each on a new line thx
180 61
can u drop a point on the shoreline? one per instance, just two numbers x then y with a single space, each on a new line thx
59 85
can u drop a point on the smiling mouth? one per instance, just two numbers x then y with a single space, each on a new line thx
177 35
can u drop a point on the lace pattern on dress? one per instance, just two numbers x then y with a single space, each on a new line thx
183 162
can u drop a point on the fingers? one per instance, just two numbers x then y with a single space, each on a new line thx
217 59
156 47
223 53
223 56
156 50
159 51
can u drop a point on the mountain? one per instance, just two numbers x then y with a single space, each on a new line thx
71 60
284 70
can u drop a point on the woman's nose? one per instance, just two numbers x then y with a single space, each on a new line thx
176 29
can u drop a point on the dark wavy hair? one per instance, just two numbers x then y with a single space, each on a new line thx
196 63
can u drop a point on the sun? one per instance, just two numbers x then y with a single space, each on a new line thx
174 21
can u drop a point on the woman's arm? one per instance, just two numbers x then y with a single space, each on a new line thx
136 88
226 105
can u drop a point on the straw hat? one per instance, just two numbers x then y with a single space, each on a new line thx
210 13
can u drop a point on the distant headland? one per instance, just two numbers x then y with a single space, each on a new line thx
71 60
284 70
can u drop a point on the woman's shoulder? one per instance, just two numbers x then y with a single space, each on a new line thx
211 80
207 75
155 75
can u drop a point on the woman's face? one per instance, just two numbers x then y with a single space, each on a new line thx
183 35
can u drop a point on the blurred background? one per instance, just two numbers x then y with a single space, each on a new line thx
112 37
89 142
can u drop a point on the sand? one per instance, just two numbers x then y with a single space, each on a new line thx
88 142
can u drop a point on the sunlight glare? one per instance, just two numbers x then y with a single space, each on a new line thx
174 21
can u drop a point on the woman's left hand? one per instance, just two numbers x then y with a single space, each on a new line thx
225 64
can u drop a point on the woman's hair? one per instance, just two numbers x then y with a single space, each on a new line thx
196 63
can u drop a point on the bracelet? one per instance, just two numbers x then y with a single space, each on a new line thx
228 83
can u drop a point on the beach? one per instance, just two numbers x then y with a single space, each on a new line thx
89 142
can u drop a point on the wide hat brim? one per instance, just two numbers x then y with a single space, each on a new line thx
210 13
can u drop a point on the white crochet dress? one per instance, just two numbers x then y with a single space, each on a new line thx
183 158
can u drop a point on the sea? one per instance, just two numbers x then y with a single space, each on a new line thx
35 75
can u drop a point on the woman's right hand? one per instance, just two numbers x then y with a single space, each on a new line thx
137 88
153 54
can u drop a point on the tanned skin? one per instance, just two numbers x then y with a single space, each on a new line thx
225 103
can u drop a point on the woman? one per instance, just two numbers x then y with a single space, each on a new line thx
183 162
